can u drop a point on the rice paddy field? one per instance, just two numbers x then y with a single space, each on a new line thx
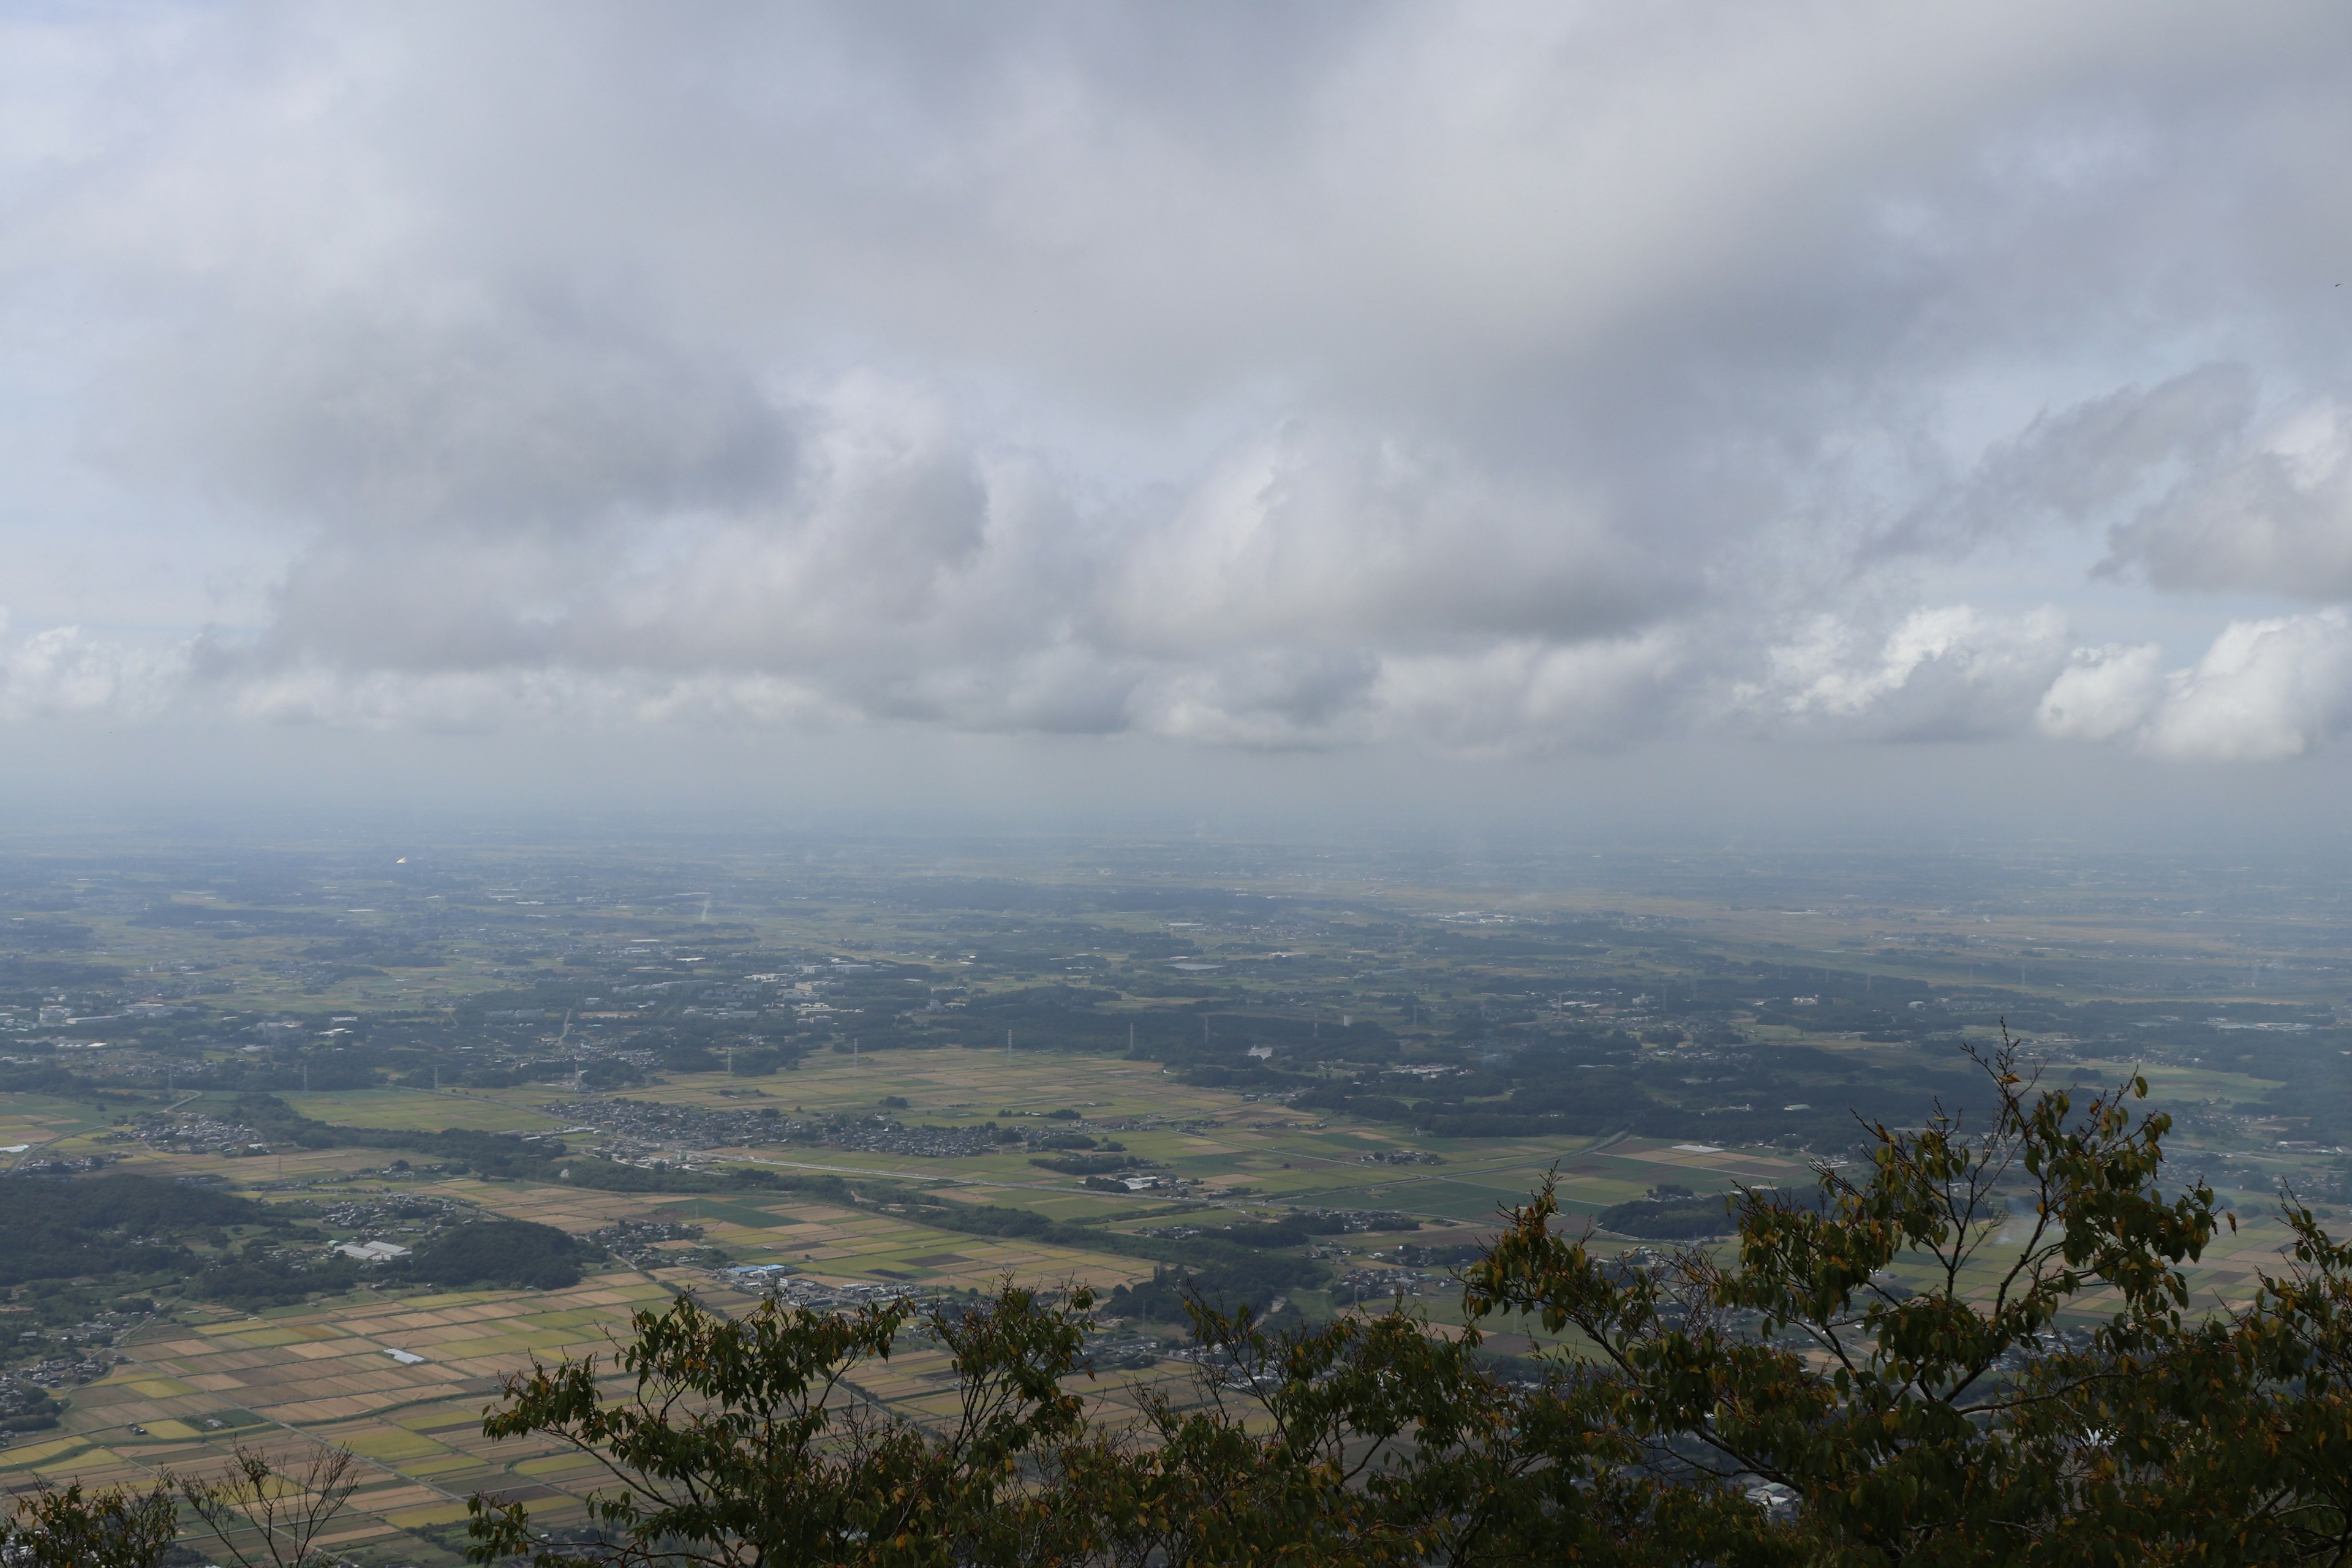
328 1371
403 1378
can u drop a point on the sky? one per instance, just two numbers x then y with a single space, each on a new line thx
1796 412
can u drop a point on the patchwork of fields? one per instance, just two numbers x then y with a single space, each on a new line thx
1273 1040
183 1392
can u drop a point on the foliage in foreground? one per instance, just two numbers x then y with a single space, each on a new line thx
1788 1403
267 1513
260 1512
2048 1396
71 1529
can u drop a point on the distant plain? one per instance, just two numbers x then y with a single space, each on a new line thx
1352 972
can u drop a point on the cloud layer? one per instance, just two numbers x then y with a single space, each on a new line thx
1498 378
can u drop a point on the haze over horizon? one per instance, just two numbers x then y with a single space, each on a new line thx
1703 420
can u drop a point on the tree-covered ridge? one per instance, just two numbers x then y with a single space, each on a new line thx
1669 1213
60 1228
120 1231
493 1154
514 1253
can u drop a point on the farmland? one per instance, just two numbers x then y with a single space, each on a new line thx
875 1077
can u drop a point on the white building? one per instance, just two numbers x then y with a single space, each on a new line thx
371 1251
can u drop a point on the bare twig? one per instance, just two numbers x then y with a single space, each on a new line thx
288 1508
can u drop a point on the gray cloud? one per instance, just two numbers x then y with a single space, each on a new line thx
1492 379
2273 513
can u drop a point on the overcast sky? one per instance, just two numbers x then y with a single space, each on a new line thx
1458 387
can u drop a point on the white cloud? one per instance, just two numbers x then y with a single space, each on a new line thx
2265 689
2103 693
1948 673
64 671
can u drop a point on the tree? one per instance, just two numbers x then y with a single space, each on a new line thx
2042 1395
1963 1423
118 1528
1369 1442
262 1515
746 1443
